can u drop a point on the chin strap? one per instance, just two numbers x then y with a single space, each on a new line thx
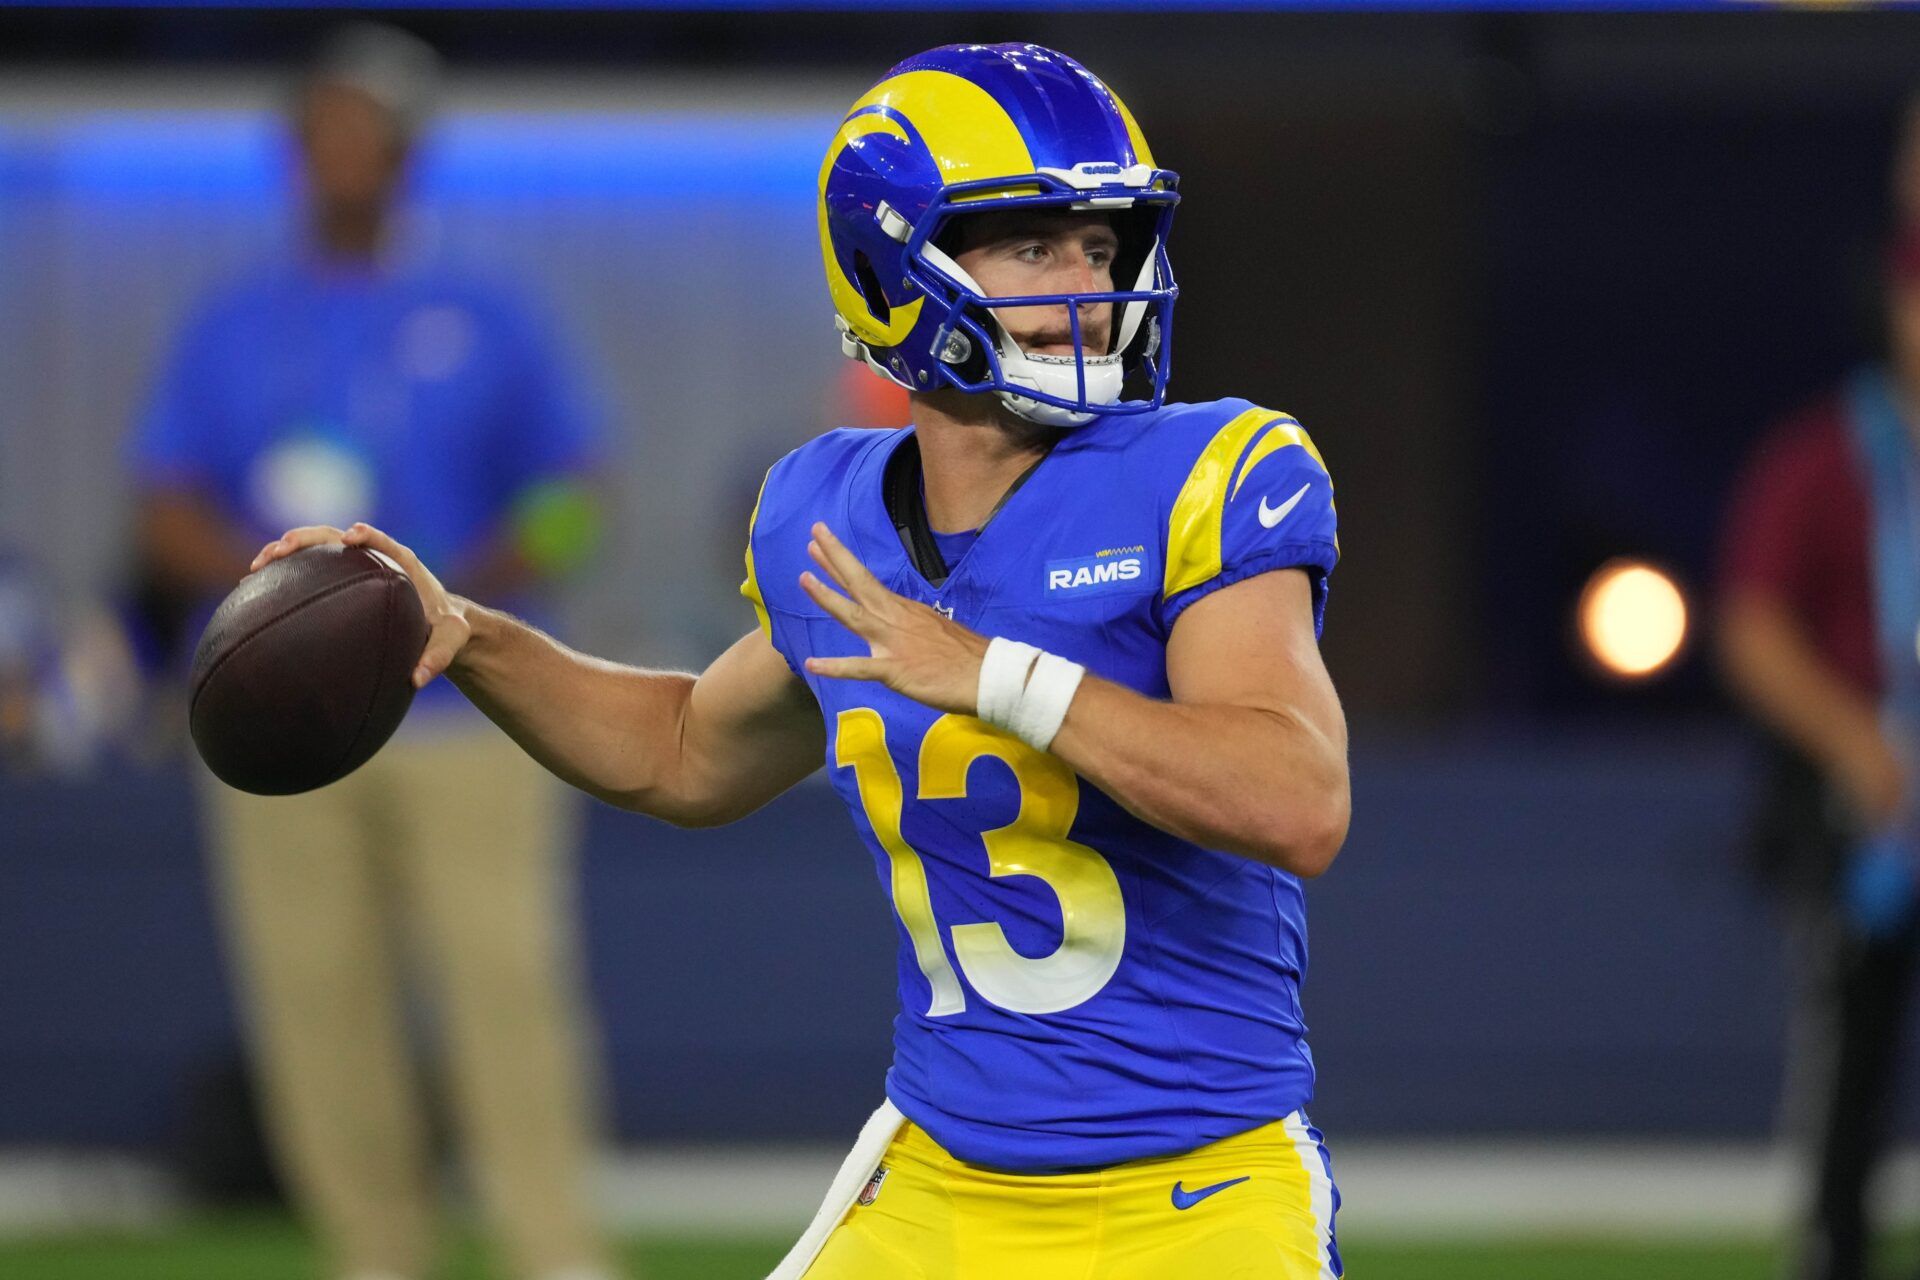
854 349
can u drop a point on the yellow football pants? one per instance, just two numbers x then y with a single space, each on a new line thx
1257 1206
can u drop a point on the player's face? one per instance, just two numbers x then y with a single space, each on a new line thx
1023 251
353 150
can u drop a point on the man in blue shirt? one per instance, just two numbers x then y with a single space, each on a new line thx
346 380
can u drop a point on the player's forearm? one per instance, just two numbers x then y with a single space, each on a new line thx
1775 670
611 730
1265 783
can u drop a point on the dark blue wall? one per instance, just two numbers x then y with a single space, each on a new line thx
1543 934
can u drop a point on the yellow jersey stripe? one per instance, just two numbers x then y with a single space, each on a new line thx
1193 531
1284 431
751 587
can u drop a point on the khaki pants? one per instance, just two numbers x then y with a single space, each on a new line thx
453 852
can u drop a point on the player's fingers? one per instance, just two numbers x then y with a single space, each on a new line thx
310 535
365 535
838 607
448 636
833 556
847 668
826 566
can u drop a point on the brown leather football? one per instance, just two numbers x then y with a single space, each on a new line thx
306 670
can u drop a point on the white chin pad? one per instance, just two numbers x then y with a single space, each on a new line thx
1058 376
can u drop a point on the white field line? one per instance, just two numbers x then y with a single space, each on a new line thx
1424 1190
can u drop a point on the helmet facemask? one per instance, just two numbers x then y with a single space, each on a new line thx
974 351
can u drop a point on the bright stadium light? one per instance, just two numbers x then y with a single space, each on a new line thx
1633 619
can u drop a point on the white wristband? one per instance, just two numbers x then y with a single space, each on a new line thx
1043 705
1003 678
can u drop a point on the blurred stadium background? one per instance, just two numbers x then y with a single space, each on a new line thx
1535 280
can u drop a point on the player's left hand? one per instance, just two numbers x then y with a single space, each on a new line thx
915 650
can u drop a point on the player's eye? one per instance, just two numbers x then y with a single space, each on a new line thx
1031 252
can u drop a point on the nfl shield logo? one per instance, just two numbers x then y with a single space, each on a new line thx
871 1191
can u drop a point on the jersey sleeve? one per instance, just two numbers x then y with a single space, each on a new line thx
810 484
1771 543
776 542
751 587
1258 498
549 418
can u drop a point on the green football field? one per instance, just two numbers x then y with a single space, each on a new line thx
269 1248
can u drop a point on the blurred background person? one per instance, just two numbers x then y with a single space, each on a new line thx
1820 640
69 686
356 379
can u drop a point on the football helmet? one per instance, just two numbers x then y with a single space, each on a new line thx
966 128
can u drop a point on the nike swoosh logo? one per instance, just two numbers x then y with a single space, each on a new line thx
1188 1199
1271 516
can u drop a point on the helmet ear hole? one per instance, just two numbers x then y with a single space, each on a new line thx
869 285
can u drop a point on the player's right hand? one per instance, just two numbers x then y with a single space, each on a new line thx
1875 779
449 629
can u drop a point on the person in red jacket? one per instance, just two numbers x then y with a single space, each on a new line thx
1820 640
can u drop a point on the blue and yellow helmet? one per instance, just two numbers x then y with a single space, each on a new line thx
968 127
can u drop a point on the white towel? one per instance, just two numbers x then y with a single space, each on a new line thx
847 1184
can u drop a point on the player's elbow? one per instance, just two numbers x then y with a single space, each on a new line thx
699 817
688 811
1315 851
1306 838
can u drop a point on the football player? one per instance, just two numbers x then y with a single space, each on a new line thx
1059 652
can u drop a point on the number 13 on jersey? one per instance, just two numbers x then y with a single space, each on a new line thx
1093 918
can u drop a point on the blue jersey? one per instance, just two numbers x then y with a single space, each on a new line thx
416 400
1077 987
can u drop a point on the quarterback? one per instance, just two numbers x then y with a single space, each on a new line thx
1058 651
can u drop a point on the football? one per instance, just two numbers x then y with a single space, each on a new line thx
305 670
